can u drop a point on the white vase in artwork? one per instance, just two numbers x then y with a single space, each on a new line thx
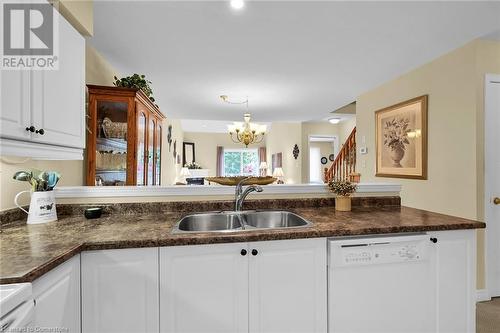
397 154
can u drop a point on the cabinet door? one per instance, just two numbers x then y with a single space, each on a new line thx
158 147
59 95
288 286
14 104
455 258
151 150
141 157
204 288
120 290
57 297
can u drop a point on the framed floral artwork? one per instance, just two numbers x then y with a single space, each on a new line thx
401 139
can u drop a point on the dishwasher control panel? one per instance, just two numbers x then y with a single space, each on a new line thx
377 251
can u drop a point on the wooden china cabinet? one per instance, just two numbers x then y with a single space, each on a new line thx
124 139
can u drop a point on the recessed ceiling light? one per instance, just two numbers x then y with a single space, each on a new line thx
334 120
237 4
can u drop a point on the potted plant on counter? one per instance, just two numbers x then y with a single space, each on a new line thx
343 190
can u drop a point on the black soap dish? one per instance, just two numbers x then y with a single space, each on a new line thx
93 212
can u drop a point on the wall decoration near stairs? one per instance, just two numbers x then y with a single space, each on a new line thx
296 151
401 139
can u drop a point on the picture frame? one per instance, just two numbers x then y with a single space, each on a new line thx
401 139
188 153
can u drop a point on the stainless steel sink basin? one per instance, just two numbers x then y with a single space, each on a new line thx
274 219
239 221
208 222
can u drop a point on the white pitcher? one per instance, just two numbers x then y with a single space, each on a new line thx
42 206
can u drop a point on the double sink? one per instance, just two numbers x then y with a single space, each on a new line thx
227 221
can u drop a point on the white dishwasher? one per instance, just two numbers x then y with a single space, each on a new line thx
381 284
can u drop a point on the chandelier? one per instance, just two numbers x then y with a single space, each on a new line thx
246 132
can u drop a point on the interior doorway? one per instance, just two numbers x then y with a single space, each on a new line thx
322 151
492 183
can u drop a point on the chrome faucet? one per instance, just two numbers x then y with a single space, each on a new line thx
240 195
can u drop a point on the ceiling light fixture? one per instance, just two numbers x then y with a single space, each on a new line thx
334 120
237 4
246 132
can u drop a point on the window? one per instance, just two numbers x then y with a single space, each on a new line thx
241 162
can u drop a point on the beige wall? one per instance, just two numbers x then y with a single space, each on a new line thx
80 13
281 139
98 71
454 83
170 168
346 127
206 147
315 128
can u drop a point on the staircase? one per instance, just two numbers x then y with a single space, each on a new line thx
345 162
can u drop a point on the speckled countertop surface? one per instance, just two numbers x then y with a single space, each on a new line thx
29 251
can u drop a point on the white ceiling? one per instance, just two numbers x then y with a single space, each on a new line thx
211 126
295 60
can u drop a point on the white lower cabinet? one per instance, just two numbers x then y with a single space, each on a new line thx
57 298
455 258
204 288
275 286
288 286
120 290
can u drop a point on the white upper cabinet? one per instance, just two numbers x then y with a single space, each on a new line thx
59 95
120 291
287 286
15 114
204 288
43 111
57 297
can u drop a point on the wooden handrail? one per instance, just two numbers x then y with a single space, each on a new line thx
345 162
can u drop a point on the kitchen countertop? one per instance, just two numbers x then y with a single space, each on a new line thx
29 251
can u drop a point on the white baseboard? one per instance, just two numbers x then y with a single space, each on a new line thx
482 295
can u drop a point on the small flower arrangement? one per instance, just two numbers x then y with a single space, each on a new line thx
342 188
192 165
396 133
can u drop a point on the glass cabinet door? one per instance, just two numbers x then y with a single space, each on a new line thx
151 151
158 154
141 148
111 142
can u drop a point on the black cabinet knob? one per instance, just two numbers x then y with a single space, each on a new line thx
434 240
30 129
255 252
40 131
243 252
